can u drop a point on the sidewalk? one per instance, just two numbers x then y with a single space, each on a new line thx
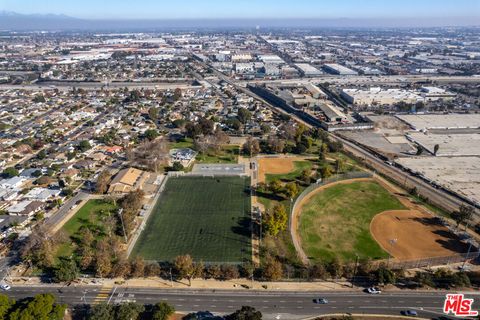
200 284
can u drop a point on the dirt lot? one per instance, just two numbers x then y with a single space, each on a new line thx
411 234
270 165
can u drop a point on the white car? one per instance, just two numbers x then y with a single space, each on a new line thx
373 290
5 287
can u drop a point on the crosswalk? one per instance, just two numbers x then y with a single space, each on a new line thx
103 294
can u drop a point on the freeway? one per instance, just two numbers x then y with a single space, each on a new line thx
289 305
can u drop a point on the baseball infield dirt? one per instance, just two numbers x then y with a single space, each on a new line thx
411 234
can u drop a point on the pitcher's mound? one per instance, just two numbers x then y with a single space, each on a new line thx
411 234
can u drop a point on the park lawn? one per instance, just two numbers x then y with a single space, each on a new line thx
281 245
207 218
184 143
335 223
89 214
299 166
227 154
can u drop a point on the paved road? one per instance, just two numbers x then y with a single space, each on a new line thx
56 218
289 305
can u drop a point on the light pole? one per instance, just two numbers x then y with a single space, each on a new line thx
123 226
355 269
468 253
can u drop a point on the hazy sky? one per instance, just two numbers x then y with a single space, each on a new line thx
177 9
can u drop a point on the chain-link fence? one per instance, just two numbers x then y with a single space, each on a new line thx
432 261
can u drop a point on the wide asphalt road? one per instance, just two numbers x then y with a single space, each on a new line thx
274 305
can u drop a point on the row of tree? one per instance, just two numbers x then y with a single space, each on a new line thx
42 306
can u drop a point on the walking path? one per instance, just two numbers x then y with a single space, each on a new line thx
252 171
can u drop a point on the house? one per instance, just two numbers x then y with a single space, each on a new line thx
127 180
12 183
25 207
113 150
42 194
84 164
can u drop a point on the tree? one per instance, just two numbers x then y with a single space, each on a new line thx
291 190
276 219
84 145
6 305
435 149
305 176
464 214
229 272
103 180
177 94
185 267
323 151
193 130
251 146
152 270
41 155
245 313
128 311
102 311
339 165
162 311
177 166
153 113
385 275
9 173
326 172
151 134
244 115
138 267
66 270
41 307
272 269
275 186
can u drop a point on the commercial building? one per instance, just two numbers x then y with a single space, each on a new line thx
127 180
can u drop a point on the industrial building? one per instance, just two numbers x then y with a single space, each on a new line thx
379 96
334 68
308 70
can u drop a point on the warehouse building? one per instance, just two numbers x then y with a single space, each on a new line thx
334 68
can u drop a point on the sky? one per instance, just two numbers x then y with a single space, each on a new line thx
253 9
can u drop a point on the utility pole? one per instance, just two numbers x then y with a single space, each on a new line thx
123 226
171 279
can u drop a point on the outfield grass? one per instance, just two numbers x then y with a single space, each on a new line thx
336 221
205 217
89 215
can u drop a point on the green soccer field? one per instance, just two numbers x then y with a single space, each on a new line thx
208 218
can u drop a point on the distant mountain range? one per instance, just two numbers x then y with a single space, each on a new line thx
49 22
